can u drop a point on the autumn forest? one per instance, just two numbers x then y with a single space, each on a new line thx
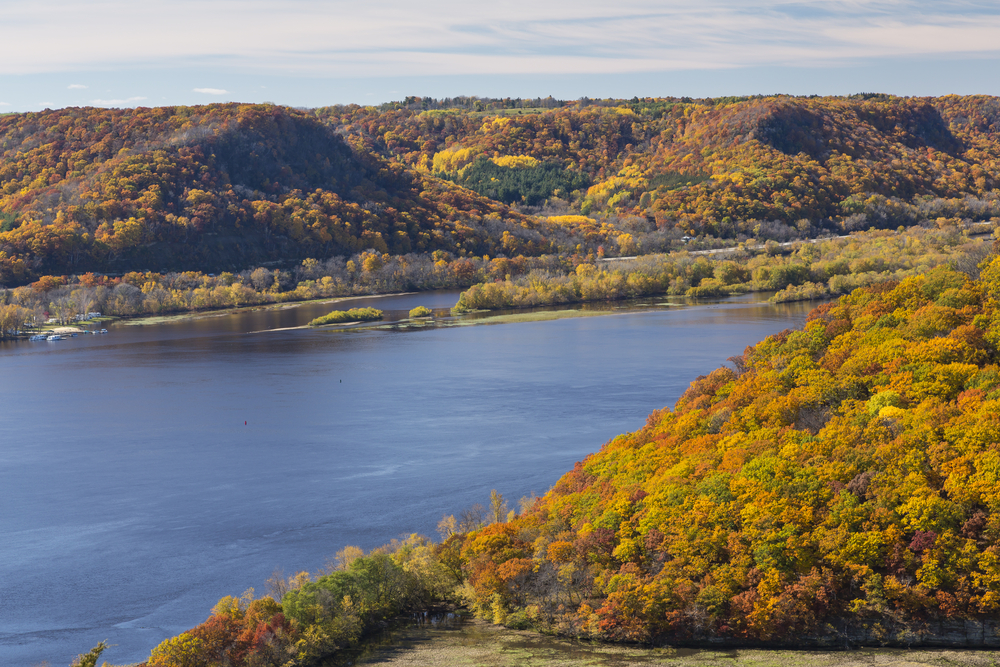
230 187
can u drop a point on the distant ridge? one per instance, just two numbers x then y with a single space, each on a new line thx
232 186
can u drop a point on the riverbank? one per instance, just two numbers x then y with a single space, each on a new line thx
794 272
193 315
540 314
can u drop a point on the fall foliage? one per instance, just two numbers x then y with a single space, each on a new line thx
351 315
797 272
229 187
217 187
836 477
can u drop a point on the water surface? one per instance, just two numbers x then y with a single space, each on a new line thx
149 472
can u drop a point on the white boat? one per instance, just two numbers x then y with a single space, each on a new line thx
54 337
38 337
104 331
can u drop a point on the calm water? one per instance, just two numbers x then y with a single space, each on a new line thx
134 496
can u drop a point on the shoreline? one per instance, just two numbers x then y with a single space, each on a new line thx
526 314
515 315
144 320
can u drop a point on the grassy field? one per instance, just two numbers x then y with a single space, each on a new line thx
473 643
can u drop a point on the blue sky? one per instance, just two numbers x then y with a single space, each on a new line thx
309 53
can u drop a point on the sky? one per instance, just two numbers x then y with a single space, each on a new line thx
309 53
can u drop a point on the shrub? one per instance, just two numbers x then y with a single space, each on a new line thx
708 289
421 311
804 292
352 315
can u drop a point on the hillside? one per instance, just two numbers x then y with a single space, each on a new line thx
836 484
231 187
726 166
224 186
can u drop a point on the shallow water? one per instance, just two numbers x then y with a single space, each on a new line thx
149 472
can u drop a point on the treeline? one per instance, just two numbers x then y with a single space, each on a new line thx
473 103
306 619
803 271
318 615
148 293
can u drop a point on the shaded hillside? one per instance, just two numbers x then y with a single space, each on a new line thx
838 482
225 186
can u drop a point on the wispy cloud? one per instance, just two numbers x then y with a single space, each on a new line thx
4 104
211 91
76 86
116 103
393 37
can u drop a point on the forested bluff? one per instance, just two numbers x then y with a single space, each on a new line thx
837 485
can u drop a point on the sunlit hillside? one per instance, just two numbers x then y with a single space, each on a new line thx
230 187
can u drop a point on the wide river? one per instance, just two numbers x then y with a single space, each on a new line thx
151 471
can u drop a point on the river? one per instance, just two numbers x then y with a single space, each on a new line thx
151 471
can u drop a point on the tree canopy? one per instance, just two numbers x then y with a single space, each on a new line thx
230 186
840 478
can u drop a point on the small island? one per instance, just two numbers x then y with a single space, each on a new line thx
421 311
348 316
